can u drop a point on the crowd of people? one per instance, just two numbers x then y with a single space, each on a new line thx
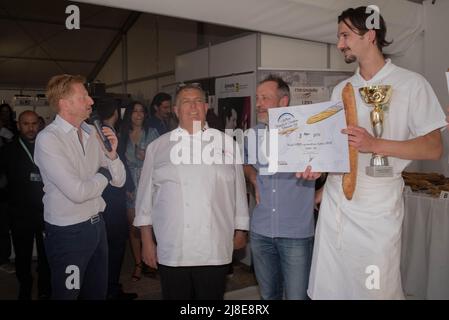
81 192
22 191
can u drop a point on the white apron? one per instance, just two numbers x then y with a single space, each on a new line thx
358 243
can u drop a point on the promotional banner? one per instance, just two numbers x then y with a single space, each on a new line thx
308 95
234 103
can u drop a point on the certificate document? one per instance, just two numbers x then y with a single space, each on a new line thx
310 135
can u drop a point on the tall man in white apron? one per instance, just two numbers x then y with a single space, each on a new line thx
358 242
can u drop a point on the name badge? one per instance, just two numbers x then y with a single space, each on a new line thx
35 177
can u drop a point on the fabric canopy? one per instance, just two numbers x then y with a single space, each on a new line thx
303 19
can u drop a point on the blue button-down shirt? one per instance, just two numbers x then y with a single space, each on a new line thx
286 202
158 124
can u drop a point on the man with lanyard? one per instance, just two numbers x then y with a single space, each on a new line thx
25 191
76 168
358 243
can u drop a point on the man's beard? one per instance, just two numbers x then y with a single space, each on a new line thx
263 118
350 59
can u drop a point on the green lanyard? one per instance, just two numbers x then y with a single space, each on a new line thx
26 150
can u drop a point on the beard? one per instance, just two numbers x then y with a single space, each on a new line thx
262 117
350 58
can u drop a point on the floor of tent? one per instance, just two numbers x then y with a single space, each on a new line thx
240 286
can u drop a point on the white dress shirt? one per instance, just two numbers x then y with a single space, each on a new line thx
194 208
72 185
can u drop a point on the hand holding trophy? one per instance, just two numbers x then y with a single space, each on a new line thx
377 97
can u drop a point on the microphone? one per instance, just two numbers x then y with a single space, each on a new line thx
98 125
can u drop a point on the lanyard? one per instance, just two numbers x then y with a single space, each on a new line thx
26 150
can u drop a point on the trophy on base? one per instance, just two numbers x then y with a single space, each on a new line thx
377 97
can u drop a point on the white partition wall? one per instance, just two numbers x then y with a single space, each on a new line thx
235 56
192 65
281 52
258 51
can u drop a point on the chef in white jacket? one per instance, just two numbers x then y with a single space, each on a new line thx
358 242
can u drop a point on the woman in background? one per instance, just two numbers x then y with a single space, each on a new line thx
7 118
115 213
136 135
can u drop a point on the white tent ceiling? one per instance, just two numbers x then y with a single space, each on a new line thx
34 43
304 19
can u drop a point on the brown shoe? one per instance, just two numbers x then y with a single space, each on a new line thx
137 274
149 271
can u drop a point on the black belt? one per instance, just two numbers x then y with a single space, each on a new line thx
94 219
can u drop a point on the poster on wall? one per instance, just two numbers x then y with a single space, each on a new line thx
308 86
233 96
308 95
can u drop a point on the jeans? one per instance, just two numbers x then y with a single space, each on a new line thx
282 266
78 259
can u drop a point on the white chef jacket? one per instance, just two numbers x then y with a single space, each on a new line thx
358 243
193 208
413 111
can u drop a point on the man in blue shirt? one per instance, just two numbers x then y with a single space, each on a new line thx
282 222
161 113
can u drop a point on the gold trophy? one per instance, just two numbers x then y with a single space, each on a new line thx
377 97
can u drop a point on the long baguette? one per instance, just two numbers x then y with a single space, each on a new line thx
323 115
350 179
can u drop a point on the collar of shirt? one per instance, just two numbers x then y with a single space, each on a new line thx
377 79
65 126
181 129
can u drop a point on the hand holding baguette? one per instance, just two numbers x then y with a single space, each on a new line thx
350 179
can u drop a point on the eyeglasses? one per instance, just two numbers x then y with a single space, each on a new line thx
183 86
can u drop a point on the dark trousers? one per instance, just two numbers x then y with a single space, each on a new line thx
193 283
23 239
117 234
78 259
5 238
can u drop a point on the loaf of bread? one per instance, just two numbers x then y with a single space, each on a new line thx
323 115
350 179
